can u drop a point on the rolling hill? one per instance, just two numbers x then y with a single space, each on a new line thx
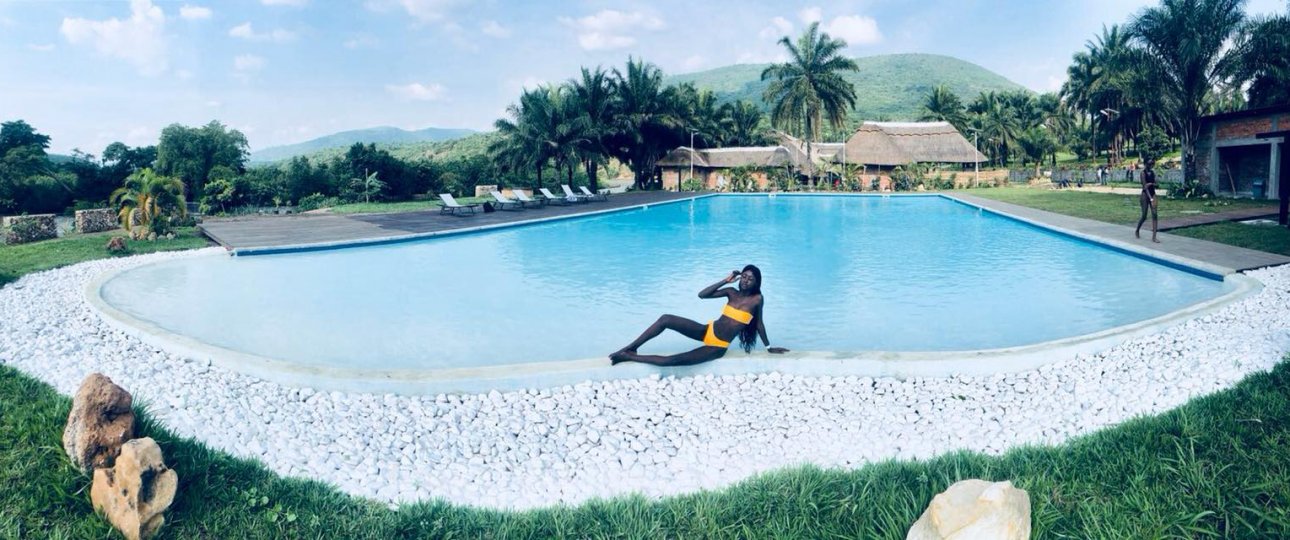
888 87
344 139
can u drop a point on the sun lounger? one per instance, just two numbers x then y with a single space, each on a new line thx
506 204
551 198
520 196
574 196
602 195
450 206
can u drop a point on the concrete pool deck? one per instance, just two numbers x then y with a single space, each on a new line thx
264 233
1220 259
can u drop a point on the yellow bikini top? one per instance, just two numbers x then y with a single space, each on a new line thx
737 314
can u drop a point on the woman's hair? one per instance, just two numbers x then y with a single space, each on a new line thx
748 336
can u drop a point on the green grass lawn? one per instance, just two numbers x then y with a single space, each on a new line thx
1109 207
20 259
401 206
1262 238
1216 467
1124 210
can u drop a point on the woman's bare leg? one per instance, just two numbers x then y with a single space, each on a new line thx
682 325
1145 203
1154 221
699 355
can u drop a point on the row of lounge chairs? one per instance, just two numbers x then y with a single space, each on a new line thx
449 205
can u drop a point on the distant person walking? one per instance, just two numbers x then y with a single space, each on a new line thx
1148 200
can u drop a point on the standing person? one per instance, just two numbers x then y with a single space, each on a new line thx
741 317
1101 175
1148 200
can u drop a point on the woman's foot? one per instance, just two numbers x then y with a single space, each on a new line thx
620 356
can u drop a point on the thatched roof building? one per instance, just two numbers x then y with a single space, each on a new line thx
888 144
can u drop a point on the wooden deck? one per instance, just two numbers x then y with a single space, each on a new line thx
1217 217
253 233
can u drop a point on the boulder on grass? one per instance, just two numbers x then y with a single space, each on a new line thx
975 510
134 492
100 422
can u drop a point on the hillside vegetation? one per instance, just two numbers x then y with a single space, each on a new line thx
888 87
378 135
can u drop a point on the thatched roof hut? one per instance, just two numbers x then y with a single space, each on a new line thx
900 143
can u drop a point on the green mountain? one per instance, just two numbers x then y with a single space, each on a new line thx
889 87
474 144
378 135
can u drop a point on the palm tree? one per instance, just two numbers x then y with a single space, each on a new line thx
1264 52
527 137
593 99
943 105
741 123
147 198
810 87
1185 40
647 124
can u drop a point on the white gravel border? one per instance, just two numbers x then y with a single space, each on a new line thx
657 436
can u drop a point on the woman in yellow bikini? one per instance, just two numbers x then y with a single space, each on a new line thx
741 317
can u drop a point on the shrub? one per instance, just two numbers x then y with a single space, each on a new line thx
691 184
316 201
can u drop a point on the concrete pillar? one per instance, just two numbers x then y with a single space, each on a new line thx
1213 158
1274 172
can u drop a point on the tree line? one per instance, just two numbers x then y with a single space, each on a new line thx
1140 83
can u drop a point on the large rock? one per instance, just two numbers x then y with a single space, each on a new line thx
975 510
100 422
134 493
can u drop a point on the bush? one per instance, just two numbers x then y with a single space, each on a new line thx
316 201
691 184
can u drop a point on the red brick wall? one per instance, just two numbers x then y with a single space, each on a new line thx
1244 128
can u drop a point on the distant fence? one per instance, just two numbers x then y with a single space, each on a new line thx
1089 176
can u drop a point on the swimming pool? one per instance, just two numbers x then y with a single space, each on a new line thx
842 273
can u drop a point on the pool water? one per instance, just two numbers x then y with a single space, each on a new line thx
842 273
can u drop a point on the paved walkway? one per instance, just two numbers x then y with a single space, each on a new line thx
1218 258
1217 217
260 232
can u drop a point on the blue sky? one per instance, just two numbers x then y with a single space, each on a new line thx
88 73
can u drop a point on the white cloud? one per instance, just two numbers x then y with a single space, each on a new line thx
360 41
248 62
855 29
247 32
43 47
293 3
611 29
423 10
184 74
492 28
779 27
417 91
810 15
138 40
692 63
214 104
194 13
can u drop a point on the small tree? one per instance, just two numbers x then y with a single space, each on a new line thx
1152 144
147 201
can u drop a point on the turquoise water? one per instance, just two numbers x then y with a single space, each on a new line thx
842 273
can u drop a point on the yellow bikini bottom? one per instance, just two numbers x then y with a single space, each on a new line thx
712 340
